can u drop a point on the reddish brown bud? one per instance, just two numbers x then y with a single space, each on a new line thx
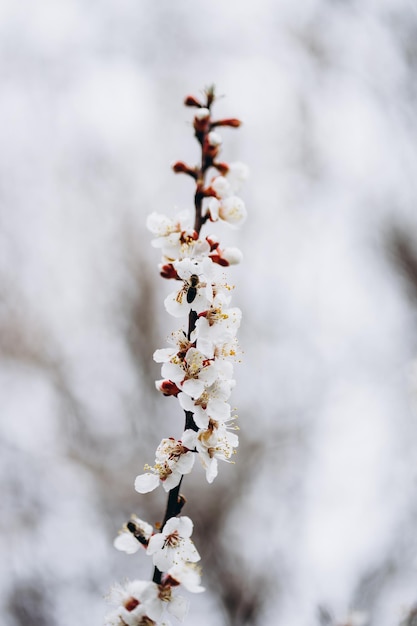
182 168
169 388
223 168
230 121
190 101
210 151
201 125
168 271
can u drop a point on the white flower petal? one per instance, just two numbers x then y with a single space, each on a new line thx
126 542
184 526
211 470
189 439
178 607
193 388
172 371
185 463
144 483
232 210
163 354
156 543
176 306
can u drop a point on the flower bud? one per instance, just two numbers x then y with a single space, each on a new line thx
180 167
214 139
232 255
212 144
202 114
213 242
230 121
226 257
221 186
190 101
167 387
232 210
202 120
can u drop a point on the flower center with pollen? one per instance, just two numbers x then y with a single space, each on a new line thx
172 540
131 604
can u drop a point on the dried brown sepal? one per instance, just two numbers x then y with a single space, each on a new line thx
167 582
210 95
169 271
213 243
229 121
216 258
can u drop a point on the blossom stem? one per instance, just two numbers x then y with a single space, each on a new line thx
206 162
175 501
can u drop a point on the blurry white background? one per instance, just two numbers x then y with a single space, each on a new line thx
318 517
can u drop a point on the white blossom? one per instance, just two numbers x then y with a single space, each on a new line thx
163 226
232 210
210 404
188 575
172 461
184 246
221 186
216 442
217 326
192 374
232 255
173 546
225 205
139 604
196 291
181 344
176 237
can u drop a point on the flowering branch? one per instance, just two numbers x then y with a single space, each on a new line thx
197 370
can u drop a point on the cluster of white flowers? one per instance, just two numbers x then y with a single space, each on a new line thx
197 369
143 603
